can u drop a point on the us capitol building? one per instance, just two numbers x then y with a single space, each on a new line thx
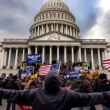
56 37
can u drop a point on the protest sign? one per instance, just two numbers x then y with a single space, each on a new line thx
34 58
72 73
28 70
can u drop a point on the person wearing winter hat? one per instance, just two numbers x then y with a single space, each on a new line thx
83 86
53 97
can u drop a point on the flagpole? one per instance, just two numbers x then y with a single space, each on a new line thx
52 12
54 21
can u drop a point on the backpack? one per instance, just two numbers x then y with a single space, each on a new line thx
78 87
10 85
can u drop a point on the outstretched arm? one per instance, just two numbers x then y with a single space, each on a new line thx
18 96
82 100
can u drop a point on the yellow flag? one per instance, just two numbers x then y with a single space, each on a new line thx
94 74
34 76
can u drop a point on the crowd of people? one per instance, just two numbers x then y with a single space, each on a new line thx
50 95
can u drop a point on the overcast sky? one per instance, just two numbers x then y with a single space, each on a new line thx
92 17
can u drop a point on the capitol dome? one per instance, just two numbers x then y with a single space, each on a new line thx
54 16
54 4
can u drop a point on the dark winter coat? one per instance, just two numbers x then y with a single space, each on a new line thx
52 97
86 84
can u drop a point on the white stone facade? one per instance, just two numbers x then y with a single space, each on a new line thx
56 36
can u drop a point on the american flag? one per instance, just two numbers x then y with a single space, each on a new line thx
44 69
106 64
53 13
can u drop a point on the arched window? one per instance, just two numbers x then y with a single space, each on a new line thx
43 16
58 15
57 3
62 15
65 16
60 3
50 15
51 3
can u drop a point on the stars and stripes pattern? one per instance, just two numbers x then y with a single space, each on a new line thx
53 13
44 69
106 64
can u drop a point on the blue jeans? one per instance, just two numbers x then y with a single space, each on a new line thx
105 108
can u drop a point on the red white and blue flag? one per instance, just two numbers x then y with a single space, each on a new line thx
53 13
44 69
106 64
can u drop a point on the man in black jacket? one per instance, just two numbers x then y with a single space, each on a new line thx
14 85
1 85
52 97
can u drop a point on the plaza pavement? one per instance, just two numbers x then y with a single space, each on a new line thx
4 102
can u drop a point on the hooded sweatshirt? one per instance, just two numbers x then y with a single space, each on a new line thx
52 97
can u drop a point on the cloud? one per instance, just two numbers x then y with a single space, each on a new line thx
4 34
17 16
101 29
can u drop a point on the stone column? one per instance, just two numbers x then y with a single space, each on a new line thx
16 59
29 50
57 52
65 55
66 29
5 58
0 55
79 54
9 59
92 59
36 50
72 54
35 32
76 33
32 32
2 58
23 54
57 27
51 27
73 32
38 31
47 28
42 29
99 60
62 28
85 55
50 54
105 53
70 31
43 54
